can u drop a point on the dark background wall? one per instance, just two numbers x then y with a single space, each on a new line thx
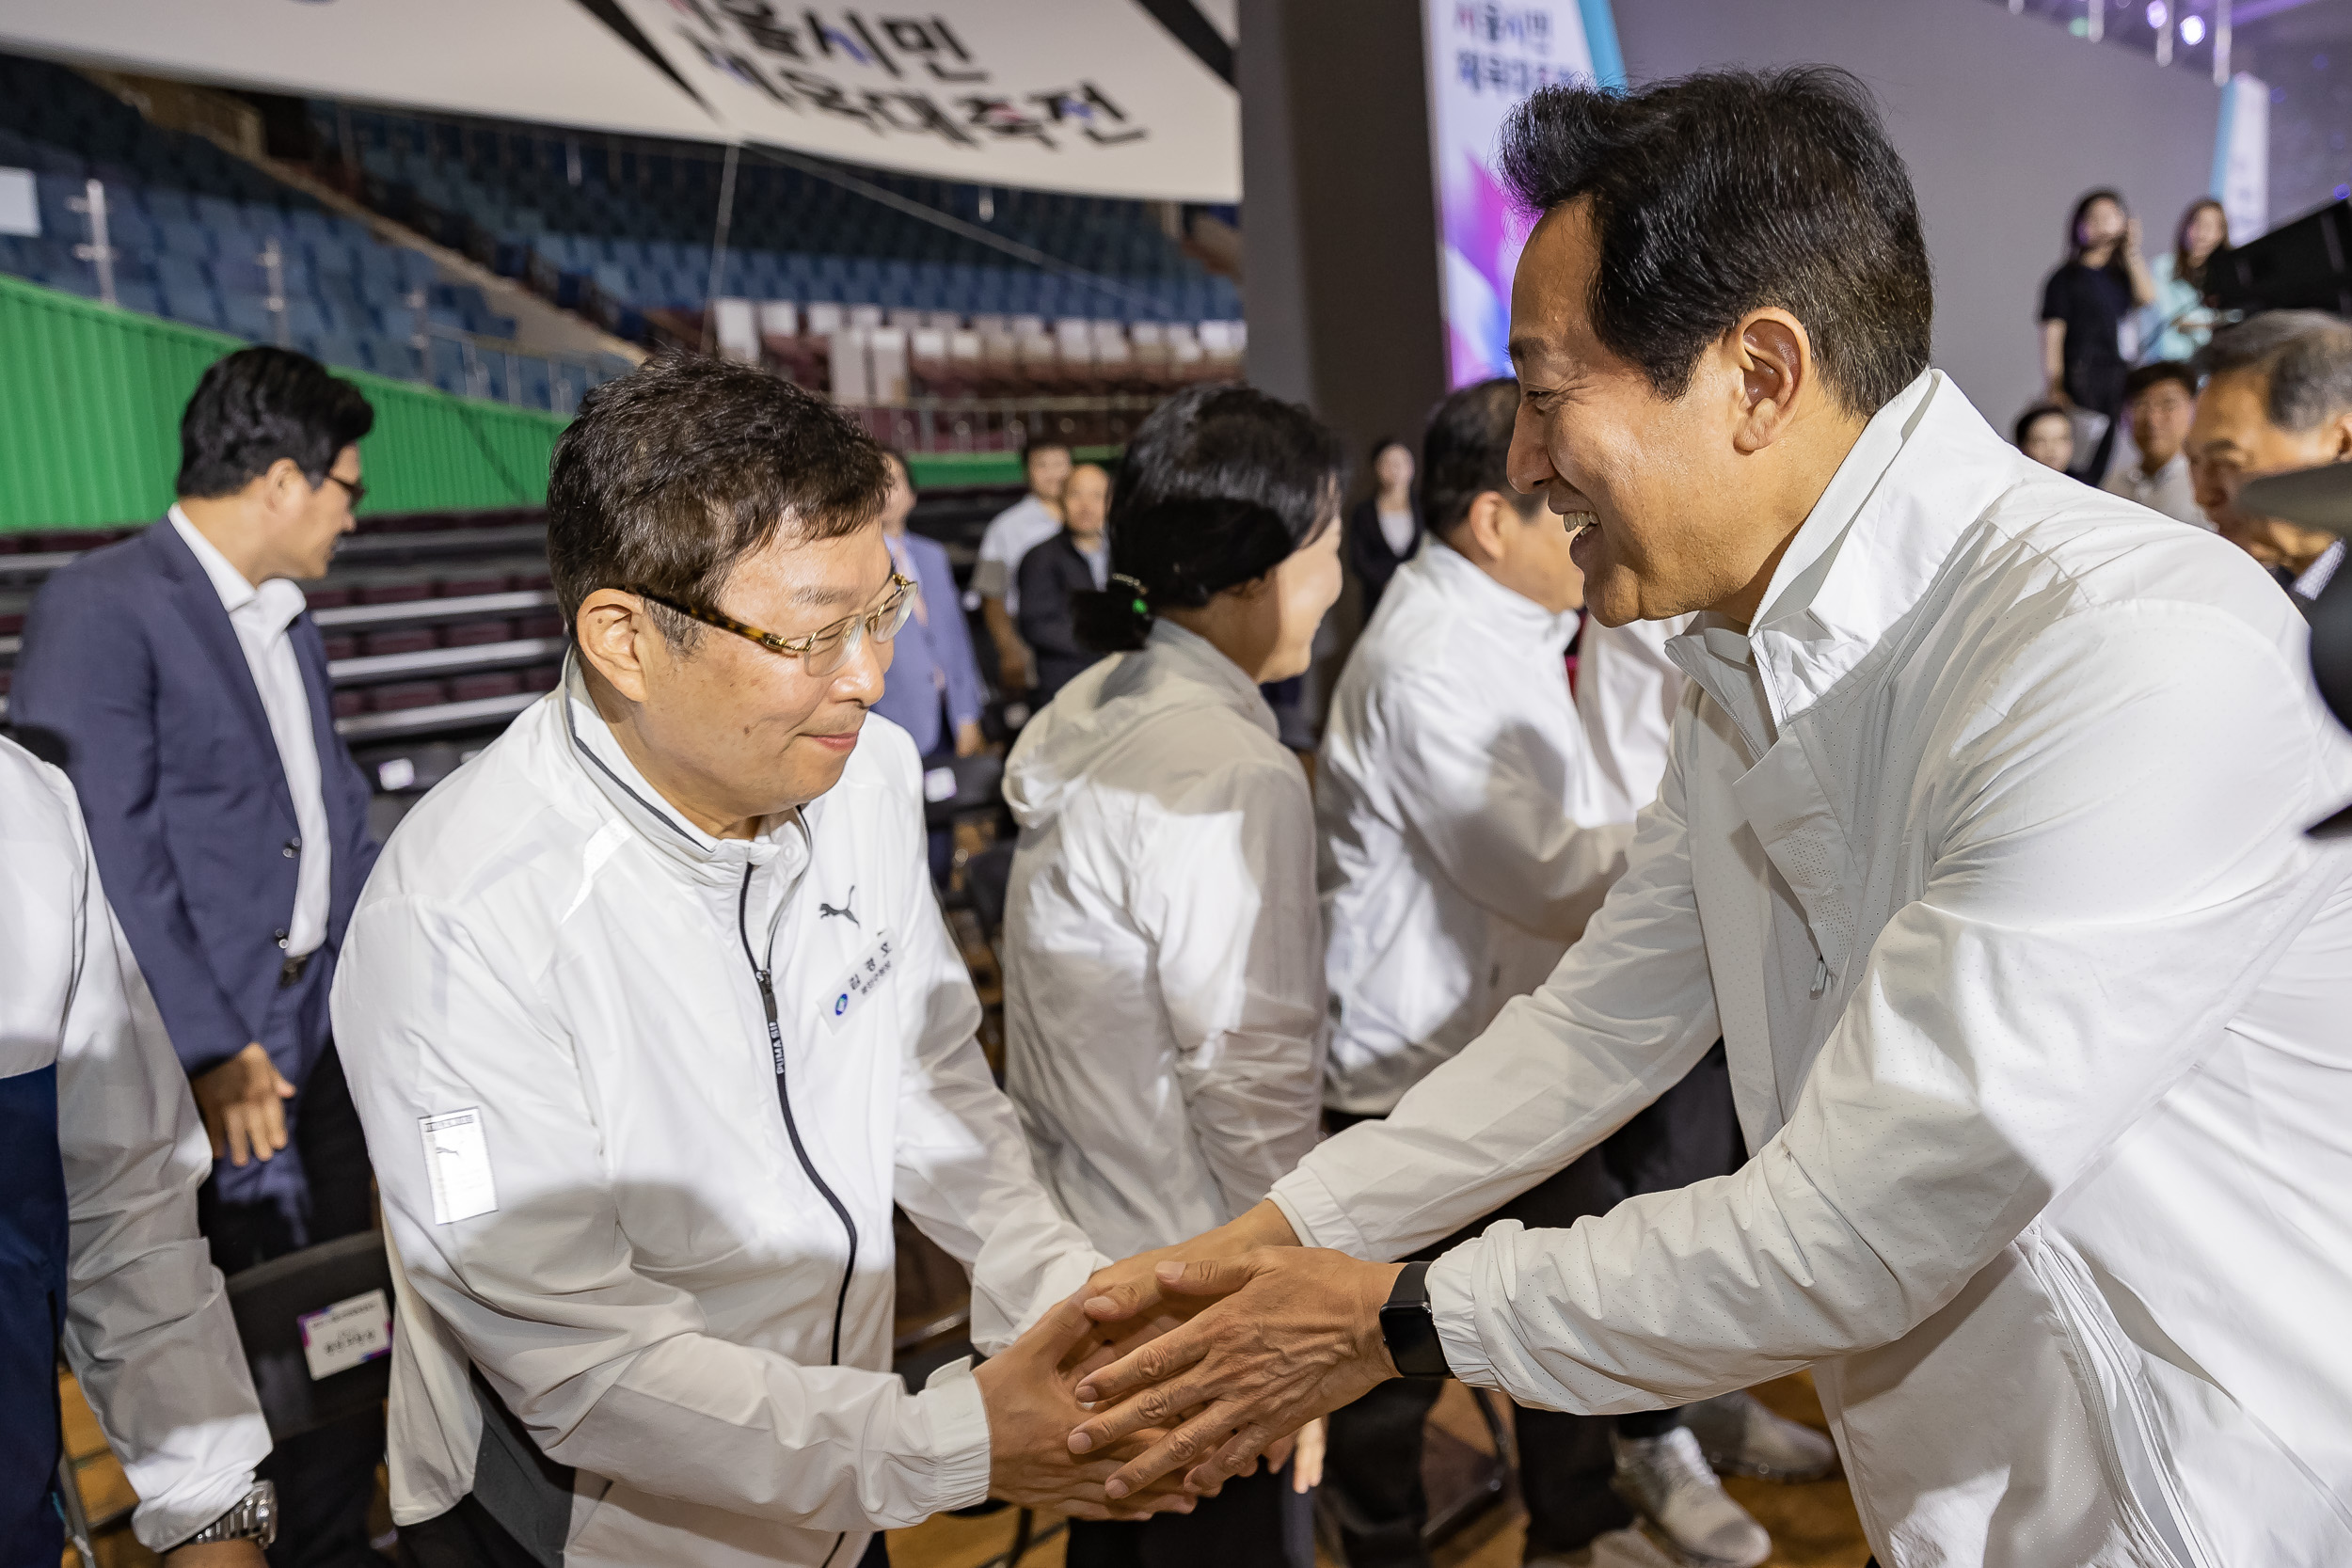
1338 214
2004 120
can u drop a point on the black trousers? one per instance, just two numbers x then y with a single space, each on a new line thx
325 1479
468 1536
1255 1521
1372 1470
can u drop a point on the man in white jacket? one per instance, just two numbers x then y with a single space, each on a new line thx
1468 831
1980 845
651 1017
100 1154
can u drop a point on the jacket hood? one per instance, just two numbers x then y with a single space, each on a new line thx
1101 710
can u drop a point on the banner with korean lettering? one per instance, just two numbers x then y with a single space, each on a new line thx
1482 59
1096 97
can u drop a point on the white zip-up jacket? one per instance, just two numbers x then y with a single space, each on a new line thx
1465 834
1163 961
1627 691
147 1329
655 1222
1983 851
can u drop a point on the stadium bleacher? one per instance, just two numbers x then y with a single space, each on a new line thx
633 222
197 233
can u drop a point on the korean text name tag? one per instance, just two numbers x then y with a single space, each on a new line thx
457 1163
339 1338
866 976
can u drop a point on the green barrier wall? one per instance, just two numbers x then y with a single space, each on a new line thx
90 423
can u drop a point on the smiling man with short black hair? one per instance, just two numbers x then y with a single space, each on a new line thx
652 1016
1981 844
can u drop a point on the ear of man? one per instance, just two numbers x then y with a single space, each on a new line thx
1484 534
1772 357
621 643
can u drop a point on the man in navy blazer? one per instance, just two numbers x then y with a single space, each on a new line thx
180 676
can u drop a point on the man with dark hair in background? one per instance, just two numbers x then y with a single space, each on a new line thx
652 1016
1012 533
181 677
2278 397
1075 561
1467 834
1981 847
2159 400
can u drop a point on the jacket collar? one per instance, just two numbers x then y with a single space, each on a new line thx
279 600
1485 605
1923 470
1194 656
718 861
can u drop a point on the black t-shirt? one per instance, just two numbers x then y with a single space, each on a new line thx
2092 302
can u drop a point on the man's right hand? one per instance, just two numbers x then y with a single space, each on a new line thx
1128 1292
242 1102
1026 1392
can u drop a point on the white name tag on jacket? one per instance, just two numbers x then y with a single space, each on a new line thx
865 977
457 1163
346 1334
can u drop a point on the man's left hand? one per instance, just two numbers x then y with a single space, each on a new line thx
1297 1334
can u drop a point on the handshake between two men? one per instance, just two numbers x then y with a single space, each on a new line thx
1173 1371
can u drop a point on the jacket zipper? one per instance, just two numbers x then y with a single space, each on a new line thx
762 972
784 1098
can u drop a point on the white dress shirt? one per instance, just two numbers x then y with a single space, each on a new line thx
2168 490
1984 852
1464 838
665 1238
1011 535
147 1329
1163 961
2320 573
260 616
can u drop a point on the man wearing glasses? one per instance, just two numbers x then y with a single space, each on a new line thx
179 681
651 1017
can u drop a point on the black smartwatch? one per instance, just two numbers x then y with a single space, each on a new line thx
1410 1329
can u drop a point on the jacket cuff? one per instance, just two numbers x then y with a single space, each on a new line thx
1454 1308
1313 1212
958 1422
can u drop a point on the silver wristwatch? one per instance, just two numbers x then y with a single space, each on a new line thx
254 1518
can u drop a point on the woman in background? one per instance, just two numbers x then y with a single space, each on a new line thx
1384 530
2085 304
2045 435
1163 997
2179 322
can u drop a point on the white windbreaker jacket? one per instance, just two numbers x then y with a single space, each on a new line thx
1163 961
653 1214
1984 853
1628 688
148 1330
1464 832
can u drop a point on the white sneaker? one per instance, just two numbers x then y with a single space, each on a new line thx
1740 1437
1665 1479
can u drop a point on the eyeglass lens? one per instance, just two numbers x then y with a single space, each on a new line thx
881 624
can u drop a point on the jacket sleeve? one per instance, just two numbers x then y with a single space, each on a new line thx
148 1328
1628 1011
609 1366
84 678
951 638
964 1175
1487 806
1226 894
2095 912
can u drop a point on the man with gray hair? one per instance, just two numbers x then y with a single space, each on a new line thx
2277 396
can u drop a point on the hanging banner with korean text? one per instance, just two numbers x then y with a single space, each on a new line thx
1111 97
1097 97
1482 59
